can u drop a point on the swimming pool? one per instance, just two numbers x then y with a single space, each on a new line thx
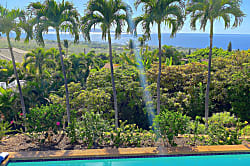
193 160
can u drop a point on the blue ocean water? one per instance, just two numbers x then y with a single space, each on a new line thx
214 160
187 40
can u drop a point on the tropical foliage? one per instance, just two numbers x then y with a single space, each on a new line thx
210 11
111 99
107 14
168 11
60 16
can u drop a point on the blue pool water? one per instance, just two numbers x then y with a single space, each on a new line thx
210 160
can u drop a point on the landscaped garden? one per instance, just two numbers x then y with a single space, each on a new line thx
107 100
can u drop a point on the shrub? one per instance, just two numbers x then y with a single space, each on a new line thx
129 135
129 93
246 130
219 132
44 122
9 104
91 129
196 129
94 131
224 118
5 128
170 124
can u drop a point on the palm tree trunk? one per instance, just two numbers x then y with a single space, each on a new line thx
112 80
159 74
209 75
64 75
17 78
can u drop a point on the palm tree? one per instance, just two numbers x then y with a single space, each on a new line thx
209 11
107 13
11 20
38 59
168 11
58 16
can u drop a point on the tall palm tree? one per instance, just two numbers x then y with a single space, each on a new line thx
169 12
108 14
60 16
208 11
12 20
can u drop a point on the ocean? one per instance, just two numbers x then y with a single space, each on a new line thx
186 40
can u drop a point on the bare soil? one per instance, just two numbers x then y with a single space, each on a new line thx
22 142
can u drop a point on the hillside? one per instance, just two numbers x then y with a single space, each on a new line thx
18 54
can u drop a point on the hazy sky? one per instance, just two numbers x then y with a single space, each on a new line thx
219 25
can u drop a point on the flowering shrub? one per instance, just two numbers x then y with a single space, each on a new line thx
224 129
44 122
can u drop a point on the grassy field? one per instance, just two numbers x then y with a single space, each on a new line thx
98 47
73 48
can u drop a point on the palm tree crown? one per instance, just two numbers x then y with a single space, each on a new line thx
168 11
10 21
211 10
107 13
61 16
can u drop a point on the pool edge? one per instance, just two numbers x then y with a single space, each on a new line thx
149 151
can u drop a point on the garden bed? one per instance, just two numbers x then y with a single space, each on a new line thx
22 142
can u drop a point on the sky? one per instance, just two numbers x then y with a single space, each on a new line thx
244 28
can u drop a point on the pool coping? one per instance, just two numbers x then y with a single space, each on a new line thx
124 152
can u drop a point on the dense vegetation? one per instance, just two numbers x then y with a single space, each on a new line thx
153 93
90 91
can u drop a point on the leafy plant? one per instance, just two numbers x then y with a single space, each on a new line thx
5 128
44 122
91 128
196 129
169 124
130 135
219 132
246 130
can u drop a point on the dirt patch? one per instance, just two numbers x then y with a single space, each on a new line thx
22 142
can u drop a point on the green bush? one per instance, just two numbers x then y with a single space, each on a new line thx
5 128
224 118
129 135
93 131
202 54
196 132
9 104
129 93
169 124
44 122
223 129
246 130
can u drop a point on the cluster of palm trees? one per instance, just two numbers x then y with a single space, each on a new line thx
115 14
